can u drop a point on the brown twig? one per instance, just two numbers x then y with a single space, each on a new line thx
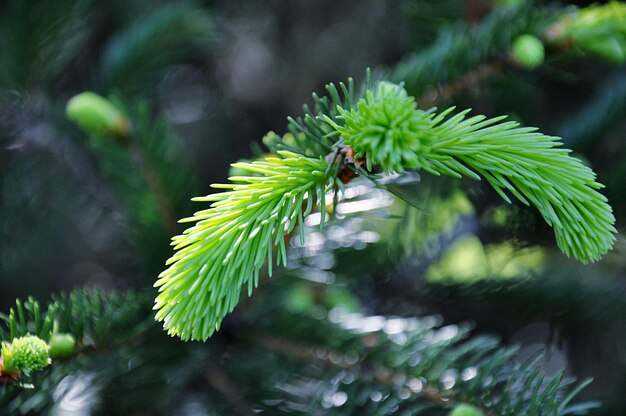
553 38
164 204
461 84
473 11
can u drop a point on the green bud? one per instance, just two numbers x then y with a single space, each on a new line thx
599 29
96 115
528 51
271 141
61 345
25 354
387 129
466 410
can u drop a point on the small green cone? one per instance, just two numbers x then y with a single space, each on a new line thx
528 51
96 115
61 345
466 410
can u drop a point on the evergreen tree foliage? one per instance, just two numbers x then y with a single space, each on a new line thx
227 247
230 242
395 288
389 130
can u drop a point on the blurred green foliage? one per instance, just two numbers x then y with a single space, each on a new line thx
334 332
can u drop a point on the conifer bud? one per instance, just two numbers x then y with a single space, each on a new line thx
96 115
271 141
25 354
466 410
61 345
599 29
528 51
386 129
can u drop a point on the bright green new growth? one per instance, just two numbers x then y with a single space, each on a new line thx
599 30
385 127
528 164
232 239
96 115
25 355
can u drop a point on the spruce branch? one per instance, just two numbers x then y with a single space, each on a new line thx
90 316
230 242
501 41
90 323
418 367
533 168
387 129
